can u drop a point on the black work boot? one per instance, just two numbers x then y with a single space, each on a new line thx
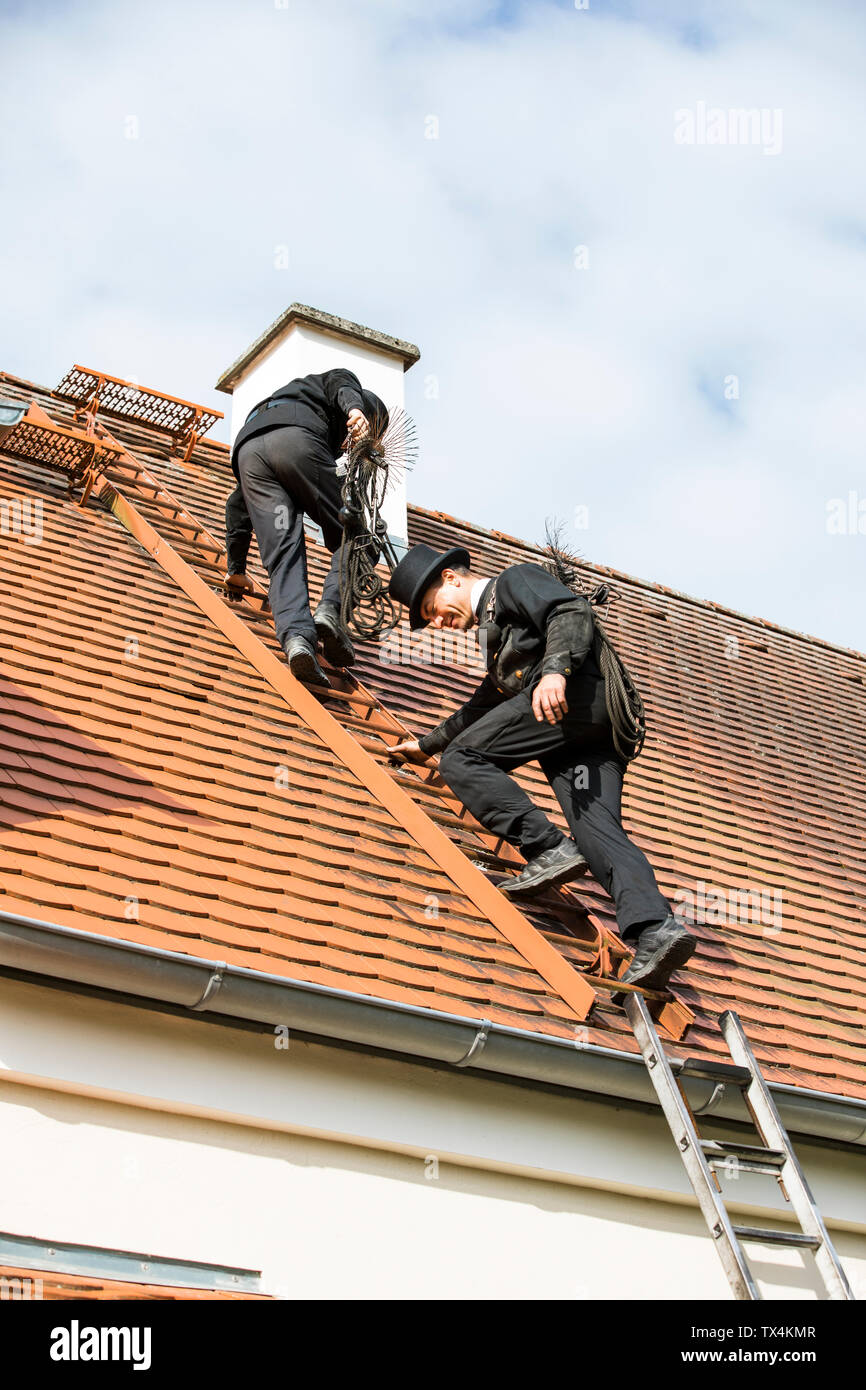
302 662
661 949
547 870
333 636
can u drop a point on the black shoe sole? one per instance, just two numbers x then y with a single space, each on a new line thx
337 648
656 973
574 868
306 669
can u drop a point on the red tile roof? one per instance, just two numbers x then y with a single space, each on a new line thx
153 777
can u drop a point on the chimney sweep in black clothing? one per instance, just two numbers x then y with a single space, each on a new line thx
543 699
285 462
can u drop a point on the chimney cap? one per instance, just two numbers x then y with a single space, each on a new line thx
327 323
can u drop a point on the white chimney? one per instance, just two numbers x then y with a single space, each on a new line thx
305 340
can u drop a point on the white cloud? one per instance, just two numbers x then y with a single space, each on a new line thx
304 127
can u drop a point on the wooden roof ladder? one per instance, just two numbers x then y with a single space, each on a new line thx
191 554
774 1157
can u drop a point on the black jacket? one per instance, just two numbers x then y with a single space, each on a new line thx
538 628
319 402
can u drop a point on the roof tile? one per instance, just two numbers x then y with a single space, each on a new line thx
156 776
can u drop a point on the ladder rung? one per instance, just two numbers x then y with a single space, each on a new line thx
249 615
717 1152
195 560
367 724
161 508
182 528
746 1165
353 697
709 1070
777 1237
617 987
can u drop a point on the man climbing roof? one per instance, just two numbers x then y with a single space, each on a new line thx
284 459
543 699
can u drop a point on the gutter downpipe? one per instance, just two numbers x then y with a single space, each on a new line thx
217 990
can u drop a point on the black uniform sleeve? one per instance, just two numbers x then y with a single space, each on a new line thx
343 390
569 638
482 700
563 618
239 531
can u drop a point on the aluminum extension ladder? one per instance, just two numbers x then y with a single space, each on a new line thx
702 1157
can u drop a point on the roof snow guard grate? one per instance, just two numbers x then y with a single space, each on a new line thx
56 446
92 391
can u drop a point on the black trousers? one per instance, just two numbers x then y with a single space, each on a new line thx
580 762
284 473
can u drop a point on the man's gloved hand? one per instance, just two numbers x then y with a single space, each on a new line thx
237 586
548 699
407 752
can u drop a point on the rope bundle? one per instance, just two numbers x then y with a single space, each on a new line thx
622 698
625 707
372 464
366 608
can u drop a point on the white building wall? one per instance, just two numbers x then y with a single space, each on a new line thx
303 349
342 1175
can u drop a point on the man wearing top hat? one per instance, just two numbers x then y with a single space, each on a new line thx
543 699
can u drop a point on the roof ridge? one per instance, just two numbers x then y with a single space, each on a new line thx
648 584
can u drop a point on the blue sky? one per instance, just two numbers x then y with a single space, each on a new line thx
697 383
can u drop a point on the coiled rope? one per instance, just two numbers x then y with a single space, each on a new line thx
366 609
625 707
622 699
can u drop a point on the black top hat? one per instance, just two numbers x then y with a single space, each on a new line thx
417 571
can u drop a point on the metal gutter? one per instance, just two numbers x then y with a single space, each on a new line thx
212 988
96 1262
